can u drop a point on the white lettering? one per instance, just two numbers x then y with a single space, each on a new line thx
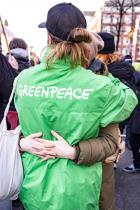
31 90
25 90
68 93
76 96
53 92
60 93
19 91
38 91
44 92
86 93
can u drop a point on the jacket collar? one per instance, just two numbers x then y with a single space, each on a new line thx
59 64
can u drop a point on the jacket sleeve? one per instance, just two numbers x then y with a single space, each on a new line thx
120 103
97 149
7 76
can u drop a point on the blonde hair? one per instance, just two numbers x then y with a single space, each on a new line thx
109 58
75 47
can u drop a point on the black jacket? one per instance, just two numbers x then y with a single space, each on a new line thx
23 63
7 76
21 56
124 71
135 117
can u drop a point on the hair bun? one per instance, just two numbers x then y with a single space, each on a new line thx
79 35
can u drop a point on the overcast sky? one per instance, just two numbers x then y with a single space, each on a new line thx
24 16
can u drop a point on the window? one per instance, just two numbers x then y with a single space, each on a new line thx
115 21
107 19
127 19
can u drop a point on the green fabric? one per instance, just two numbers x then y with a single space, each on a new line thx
76 103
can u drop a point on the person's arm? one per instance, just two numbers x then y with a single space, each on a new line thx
98 149
120 102
90 151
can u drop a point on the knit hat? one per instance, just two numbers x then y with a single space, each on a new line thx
109 43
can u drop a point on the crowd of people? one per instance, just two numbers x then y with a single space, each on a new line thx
72 107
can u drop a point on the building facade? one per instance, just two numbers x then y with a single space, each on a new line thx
129 42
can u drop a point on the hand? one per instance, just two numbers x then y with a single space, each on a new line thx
115 157
47 149
62 148
37 146
13 62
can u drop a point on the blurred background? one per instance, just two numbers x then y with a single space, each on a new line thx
120 17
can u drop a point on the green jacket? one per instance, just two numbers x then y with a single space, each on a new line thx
76 103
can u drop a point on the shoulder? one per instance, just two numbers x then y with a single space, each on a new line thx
96 79
101 85
28 73
120 65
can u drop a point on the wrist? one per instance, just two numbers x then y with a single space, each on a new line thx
21 145
77 148
72 155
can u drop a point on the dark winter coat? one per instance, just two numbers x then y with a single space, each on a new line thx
124 71
7 76
23 63
135 117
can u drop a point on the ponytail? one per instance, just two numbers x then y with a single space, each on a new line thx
78 35
75 46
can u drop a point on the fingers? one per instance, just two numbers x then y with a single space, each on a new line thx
37 148
37 139
46 143
41 148
46 158
35 135
57 136
44 153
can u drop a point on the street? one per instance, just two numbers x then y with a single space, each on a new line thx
127 185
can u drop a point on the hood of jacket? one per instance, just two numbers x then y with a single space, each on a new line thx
19 52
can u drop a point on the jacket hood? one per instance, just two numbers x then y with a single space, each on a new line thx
19 52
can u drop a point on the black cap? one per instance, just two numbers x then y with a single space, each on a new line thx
62 18
109 43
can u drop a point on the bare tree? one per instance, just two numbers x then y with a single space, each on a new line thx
122 7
